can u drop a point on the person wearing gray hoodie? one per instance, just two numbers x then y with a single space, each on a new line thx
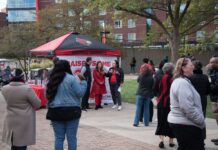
186 116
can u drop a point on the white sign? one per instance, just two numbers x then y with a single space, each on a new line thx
76 63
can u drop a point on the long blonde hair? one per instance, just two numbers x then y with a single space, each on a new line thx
178 72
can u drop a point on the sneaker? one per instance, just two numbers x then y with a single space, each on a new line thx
135 125
114 106
119 108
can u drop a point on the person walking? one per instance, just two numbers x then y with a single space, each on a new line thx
87 73
98 86
163 106
144 95
116 79
186 116
132 65
64 92
19 129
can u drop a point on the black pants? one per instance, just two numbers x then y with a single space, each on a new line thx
151 112
18 147
85 99
188 137
115 94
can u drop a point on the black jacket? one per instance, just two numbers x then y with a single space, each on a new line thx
145 86
119 75
201 83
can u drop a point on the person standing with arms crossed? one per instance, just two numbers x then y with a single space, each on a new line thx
87 73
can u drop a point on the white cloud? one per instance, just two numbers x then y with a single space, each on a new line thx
3 3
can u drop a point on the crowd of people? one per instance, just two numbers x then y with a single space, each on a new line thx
181 92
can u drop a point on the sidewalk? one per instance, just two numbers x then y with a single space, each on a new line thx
106 129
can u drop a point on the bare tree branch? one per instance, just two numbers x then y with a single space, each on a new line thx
160 8
185 10
177 12
192 29
170 11
146 15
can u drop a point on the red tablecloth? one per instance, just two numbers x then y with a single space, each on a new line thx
40 92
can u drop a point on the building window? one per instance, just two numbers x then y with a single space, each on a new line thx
87 24
21 15
101 24
71 12
131 37
118 37
86 12
102 12
216 35
216 20
200 35
117 12
59 12
21 4
131 23
58 1
118 24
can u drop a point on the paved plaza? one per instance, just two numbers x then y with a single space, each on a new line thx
105 129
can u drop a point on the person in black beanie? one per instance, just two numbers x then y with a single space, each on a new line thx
86 72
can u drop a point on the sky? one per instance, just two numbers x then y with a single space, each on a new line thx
2 4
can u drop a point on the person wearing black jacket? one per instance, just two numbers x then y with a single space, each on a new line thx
116 79
86 72
213 73
201 83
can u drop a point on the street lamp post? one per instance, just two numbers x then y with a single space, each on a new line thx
103 34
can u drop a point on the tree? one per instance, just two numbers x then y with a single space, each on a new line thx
183 17
66 17
17 39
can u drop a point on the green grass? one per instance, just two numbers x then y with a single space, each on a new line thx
129 90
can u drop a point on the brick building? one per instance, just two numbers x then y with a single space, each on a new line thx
3 19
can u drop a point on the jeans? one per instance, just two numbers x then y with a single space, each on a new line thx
18 147
68 128
141 100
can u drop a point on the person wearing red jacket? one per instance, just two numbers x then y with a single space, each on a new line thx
98 87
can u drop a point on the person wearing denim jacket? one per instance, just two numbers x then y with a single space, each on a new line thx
144 95
65 90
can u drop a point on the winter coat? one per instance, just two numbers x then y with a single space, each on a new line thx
20 121
98 86
163 100
185 104
201 83
119 75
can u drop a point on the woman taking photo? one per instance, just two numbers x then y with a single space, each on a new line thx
186 116
98 86
64 93
20 121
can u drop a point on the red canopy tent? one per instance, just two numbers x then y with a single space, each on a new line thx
75 48
75 44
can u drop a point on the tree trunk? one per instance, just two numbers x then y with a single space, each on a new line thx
174 43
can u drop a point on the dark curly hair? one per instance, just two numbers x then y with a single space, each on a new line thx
57 75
